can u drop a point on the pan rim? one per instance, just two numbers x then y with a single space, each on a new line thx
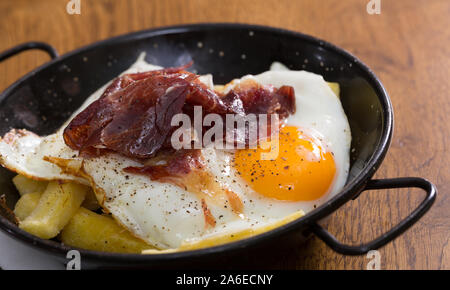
350 190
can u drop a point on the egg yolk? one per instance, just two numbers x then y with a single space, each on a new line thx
302 171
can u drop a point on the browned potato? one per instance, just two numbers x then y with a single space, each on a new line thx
90 201
92 231
26 185
335 88
57 205
26 204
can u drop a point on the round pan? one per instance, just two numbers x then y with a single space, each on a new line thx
44 98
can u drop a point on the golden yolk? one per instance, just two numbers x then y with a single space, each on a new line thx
302 171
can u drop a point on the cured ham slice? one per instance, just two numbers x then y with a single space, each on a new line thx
133 115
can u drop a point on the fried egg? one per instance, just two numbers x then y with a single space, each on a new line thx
311 167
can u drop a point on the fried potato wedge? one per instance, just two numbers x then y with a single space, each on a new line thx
57 205
26 185
26 204
335 88
90 201
92 231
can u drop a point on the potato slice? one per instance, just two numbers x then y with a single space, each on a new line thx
88 230
26 204
90 201
335 88
57 205
26 185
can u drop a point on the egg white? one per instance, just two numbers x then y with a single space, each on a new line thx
318 112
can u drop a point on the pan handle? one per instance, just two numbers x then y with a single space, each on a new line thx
27 46
402 182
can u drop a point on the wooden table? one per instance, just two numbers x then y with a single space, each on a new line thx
408 47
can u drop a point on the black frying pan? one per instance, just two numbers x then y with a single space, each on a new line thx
44 98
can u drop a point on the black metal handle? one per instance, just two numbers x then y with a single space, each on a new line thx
403 182
27 46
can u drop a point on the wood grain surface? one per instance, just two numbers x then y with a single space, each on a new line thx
408 47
